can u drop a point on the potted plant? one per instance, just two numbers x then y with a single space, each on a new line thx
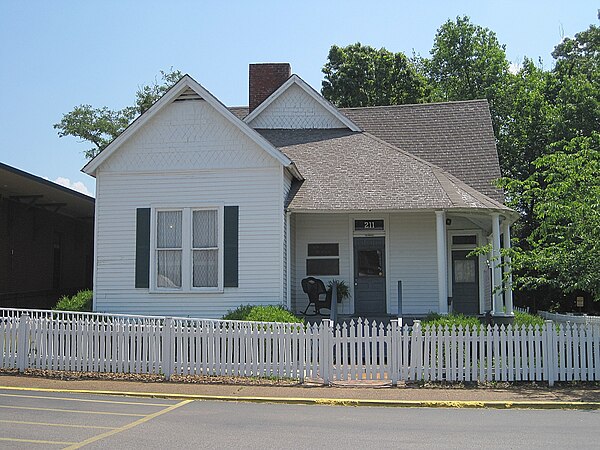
343 291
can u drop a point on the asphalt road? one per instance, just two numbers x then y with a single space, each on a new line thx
30 419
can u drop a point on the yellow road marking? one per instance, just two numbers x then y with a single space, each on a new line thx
35 441
115 402
128 426
22 422
71 411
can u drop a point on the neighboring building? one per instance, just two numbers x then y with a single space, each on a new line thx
46 240
201 208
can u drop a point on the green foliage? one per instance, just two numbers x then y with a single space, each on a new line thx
563 251
360 75
99 126
258 313
527 319
82 301
467 61
343 291
435 321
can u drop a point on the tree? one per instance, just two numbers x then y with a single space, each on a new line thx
99 126
360 75
467 61
564 250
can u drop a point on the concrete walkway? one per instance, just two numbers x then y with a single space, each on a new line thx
572 392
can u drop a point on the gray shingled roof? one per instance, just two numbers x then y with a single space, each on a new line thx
456 136
344 170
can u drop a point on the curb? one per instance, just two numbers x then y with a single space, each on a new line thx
492 404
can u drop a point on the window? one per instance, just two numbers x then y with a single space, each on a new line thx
188 247
323 259
464 240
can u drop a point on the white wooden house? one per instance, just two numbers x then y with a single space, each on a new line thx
201 208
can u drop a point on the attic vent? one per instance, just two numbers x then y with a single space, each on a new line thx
188 94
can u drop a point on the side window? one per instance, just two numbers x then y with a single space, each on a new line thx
168 248
323 259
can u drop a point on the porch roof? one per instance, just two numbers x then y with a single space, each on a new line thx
347 170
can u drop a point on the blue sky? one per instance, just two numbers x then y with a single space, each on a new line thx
56 54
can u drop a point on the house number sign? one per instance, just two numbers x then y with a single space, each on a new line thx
368 225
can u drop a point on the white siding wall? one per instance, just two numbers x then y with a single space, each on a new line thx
189 155
413 260
321 229
411 244
296 109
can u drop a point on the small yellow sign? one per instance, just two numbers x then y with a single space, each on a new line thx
579 302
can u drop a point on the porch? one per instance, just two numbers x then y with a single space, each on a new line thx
402 264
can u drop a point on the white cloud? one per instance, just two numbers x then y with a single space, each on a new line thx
76 185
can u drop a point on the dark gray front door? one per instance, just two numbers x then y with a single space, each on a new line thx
465 283
369 276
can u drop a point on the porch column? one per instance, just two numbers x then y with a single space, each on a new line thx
496 266
508 293
442 261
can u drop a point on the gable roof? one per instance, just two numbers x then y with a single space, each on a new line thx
456 136
295 80
182 88
346 171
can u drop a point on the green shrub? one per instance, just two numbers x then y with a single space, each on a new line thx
434 320
527 319
82 301
257 313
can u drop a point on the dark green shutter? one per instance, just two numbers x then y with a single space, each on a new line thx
142 248
230 252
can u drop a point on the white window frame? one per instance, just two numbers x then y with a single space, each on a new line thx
187 249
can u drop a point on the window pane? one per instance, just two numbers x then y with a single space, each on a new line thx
369 263
323 249
206 268
168 231
169 268
205 225
465 271
323 266
470 239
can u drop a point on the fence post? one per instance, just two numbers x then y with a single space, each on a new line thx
393 351
327 350
549 350
23 342
415 350
167 347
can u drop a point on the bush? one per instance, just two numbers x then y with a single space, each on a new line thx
257 313
527 319
434 320
82 301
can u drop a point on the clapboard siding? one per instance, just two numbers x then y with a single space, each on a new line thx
260 265
413 260
321 229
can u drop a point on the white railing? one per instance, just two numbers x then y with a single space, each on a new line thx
358 350
521 309
570 318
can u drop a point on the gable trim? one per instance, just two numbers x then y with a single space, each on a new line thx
173 93
295 79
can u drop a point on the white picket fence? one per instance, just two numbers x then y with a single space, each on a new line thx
358 350
570 318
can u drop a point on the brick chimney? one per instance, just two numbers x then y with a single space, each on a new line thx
264 79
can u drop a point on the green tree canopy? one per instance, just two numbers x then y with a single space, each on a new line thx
99 126
467 61
360 75
564 249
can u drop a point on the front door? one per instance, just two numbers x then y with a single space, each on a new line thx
369 276
465 283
